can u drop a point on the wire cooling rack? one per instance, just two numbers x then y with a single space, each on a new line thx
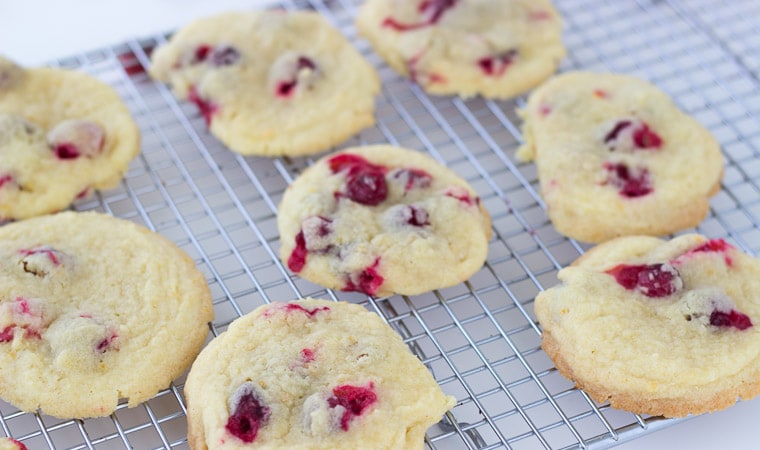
479 338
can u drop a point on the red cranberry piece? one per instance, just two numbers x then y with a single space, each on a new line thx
461 194
367 281
225 55
415 216
496 65
302 69
309 312
316 231
613 134
200 53
631 183
6 335
644 137
732 318
297 258
431 12
413 178
206 107
248 414
307 355
7 180
73 138
653 280
367 188
108 343
354 399
39 261
366 181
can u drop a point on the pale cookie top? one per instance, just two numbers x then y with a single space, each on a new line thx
616 157
270 82
656 327
382 220
94 309
62 133
311 374
496 48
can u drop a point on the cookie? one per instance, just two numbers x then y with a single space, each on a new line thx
94 309
495 48
382 220
310 374
270 82
616 157
11 444
62 134
657 327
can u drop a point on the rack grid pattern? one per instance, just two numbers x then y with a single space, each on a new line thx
479 338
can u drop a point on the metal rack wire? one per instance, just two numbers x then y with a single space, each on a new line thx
479 338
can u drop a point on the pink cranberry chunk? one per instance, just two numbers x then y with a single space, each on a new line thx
645 138
200 54
632 134
309 312
354 399
7 180
297 258
431 12
415 216
307 355
367 281
653 280
732 318
248 414
206 107
6 335
224 55
73 138
109 342
613 134
303 67
496 65
365 181
413 178
40 261
367 188
461 194
630 182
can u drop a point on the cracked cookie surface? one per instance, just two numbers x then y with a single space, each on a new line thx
312 374
382 220
270 83
615 157
62 134
494 48
94 309
657 327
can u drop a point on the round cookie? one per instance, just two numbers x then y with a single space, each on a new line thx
616 157
94 309
656 327
496 48
382 220
270 82
62 133
311 374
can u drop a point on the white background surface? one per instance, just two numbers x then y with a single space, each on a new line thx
38 31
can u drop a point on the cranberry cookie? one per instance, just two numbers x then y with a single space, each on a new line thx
310 374
496 48
616 157
62 133
94 309
656 327
270 82
382 220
